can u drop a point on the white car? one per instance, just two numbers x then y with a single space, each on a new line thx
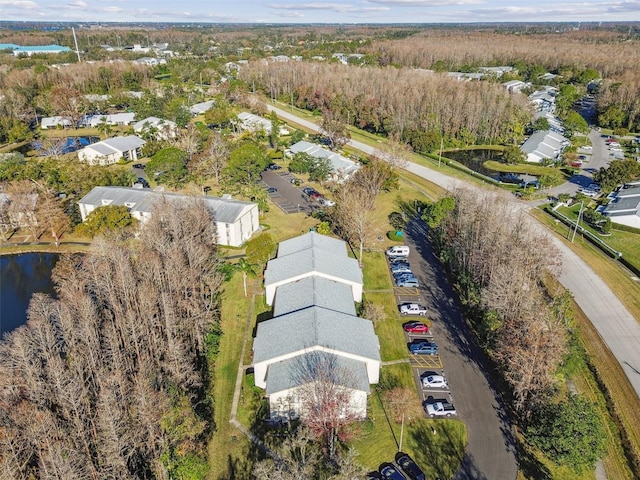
431 380
588 193
413 309
586 147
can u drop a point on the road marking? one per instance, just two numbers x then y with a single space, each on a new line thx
426 361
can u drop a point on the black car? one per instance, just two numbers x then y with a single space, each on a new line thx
274 166
388 470
138 165
272 190
374 476
409 467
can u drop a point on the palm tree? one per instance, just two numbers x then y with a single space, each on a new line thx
247 269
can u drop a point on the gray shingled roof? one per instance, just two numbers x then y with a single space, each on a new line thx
285 374
223 210
338 162
315 326
310 261
314 291
312 240
626 202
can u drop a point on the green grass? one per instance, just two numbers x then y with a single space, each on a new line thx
521 168
228 444
393 345
439 455
375 271
626 242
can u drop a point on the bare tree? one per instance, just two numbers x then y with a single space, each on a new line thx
212 160
188 140
325 394
335 128
403 402
51 216
394 151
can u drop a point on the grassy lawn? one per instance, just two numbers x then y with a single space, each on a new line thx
228 446
521 168
626 242
438 454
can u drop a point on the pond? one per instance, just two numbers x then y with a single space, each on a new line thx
20 277
475 159
66 145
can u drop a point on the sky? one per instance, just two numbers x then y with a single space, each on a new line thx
318 11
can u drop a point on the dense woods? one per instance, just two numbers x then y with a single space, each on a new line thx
110 380
413 105
500 261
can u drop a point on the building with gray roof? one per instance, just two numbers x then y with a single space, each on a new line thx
293 381
315 284
159 128
544 144
110 151
236 221
624 206
312 262
202 107
313 292
341 166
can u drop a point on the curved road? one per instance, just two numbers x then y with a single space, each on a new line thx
618 328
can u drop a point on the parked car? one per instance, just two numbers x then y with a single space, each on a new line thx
423 348
274 166
588 193
415 327
374 476
143 181
398 251
295 181
409 467
138 165
308 191
594 186
587 147
399 270
433 380
272 190
439 408
408 283
326 203
398 261
316 196
413 309
405 277
388 470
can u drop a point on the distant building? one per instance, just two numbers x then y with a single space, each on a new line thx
624 206
341 167
161 129
114 119
200 108
112 150
254 123
544 144
514 86
497 71
236 221
55 122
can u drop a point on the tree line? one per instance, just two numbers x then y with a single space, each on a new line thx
418 107
111 378
501 262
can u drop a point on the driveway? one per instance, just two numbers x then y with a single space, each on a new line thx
491 451
288 197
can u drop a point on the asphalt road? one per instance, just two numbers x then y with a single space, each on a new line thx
490 452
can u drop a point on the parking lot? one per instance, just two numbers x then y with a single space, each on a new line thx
287 196
422 364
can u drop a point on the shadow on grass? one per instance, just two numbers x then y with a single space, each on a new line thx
435 450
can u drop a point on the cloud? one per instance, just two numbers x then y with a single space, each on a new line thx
77 3
334 7
292 14
565 10
427 3
26 4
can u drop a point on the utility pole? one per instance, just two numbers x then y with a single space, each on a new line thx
441 145
577 222
73 30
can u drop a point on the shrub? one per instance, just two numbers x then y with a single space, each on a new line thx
395 236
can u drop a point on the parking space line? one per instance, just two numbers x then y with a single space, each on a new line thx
426 361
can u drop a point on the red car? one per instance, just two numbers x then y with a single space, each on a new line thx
416 327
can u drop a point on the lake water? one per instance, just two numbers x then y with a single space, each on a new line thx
71 144
474 159
20 277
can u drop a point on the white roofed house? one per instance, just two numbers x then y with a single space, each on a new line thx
120 119
236 220
55 122
202 107
315 341
156 127
544 144
110 151
254 123
341 166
